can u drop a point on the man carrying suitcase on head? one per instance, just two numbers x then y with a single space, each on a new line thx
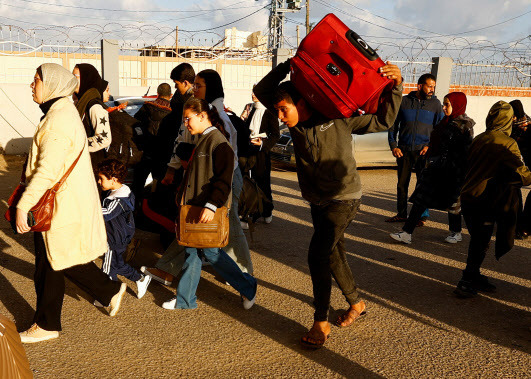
409 138
328 179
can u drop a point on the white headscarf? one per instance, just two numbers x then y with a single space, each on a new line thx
256 121
57 81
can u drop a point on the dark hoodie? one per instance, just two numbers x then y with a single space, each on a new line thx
414 124
494 159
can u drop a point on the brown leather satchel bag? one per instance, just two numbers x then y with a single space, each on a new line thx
190 232
40 216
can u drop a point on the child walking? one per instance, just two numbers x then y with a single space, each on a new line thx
118 207
208 186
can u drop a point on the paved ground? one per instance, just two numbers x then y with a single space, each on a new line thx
415 326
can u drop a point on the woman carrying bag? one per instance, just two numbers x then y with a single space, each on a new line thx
76 235
204 193
208 86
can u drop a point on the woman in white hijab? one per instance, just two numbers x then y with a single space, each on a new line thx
77 234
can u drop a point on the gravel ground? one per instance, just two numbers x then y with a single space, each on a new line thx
415 327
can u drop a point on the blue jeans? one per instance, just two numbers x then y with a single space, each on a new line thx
244 283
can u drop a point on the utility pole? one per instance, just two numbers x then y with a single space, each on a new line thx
307 17
176 41
298 35
276 20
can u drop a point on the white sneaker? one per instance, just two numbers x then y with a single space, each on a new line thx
116 301
170 304
36 334
403 237
454 238
97 304
247 304
245 225
142 285
268 220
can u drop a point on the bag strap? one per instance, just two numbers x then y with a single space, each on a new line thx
186 177
60 182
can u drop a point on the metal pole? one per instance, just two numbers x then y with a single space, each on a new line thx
307 17
298 35
176 41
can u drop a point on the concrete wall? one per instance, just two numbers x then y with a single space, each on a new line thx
19 112
19 115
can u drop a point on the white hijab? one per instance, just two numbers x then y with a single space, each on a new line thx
57 81
256 122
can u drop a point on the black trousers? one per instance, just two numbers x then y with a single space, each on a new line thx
405 165
454 220
524 214
261 173
326 255
480 226
50 286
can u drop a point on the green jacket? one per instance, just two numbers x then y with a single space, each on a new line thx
326 168
494 160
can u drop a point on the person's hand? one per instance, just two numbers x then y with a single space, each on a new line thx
397 153
424 150
206 216
22 222
392 72
168 178
256 141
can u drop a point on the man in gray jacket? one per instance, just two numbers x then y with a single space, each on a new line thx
328 179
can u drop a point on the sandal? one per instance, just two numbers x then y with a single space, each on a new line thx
352 315
313 345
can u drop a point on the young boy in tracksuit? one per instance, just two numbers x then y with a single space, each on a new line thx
117 208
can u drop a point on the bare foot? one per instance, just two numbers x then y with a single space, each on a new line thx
317 335
352 314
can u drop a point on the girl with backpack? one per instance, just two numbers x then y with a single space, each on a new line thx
207 186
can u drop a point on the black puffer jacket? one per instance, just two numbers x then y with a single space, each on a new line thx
440 182
150 115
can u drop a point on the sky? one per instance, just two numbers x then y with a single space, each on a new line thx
391 26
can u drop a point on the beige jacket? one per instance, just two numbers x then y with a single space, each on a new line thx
77 234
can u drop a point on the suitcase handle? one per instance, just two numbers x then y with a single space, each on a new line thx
361 45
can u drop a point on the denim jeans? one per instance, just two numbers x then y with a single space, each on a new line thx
326 255
242 282
238 249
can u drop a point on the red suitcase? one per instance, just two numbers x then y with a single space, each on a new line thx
337 72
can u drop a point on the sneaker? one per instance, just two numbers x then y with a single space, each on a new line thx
159 275
96 303
396 218
268 220
245 225
401 237
247 304
142 285
465 289
170 304
116 301
454 238
37 334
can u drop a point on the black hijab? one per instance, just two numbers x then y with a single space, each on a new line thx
90 78
214 87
